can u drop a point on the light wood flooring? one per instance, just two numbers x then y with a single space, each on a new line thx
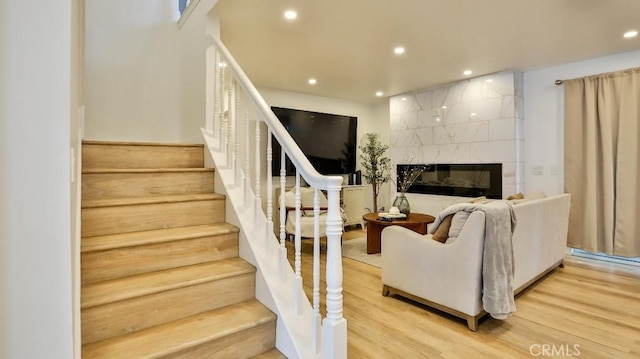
589 309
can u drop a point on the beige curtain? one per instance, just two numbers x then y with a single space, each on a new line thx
601 142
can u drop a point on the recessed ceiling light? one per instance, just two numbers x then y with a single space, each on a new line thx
290 14
467 72
629 34
404 99
379 93
444 107
473 114
438 119
399 50
489 80
313 81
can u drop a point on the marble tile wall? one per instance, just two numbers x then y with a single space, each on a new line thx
479 120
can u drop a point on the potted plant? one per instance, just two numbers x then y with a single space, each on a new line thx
376 166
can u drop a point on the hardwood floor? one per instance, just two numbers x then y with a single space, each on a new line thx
587 309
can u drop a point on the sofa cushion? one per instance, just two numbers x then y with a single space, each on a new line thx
457 222
536 195
482 199
518 195
442 232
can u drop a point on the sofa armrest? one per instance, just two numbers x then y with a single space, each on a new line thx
447 274
540 238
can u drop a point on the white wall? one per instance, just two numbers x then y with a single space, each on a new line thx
132 64
194 40
75 141
544 114
36 96
371 118
145 74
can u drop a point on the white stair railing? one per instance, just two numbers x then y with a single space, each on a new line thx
237 113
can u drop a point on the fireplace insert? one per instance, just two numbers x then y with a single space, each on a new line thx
464 180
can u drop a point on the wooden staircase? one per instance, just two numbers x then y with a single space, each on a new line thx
161 276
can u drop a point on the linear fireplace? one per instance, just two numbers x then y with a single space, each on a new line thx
465 180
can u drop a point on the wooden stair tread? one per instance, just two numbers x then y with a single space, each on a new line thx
132 239
182 334
271 354
127 143
113 202
154 282
145 170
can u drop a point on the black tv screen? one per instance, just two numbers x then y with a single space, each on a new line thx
328 141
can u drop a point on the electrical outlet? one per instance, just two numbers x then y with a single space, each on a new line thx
537 170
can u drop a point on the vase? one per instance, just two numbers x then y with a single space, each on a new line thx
402 204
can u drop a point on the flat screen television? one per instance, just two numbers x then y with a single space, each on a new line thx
328 141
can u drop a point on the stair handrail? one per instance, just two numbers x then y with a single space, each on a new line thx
328 336
310 174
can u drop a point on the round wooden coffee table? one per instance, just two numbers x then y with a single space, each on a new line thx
416 222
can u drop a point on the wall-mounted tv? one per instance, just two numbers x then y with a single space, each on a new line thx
328 141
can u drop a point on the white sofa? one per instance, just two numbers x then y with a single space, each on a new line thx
448 277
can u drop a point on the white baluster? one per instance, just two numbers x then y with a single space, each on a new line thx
269 187
284 261
223 118
297 285
334 326
247 159
236 153
216 98
317 319
209 87
230 125
258 200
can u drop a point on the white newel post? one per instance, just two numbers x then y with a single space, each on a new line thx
334 326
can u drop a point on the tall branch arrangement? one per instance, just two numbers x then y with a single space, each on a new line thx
376 166
407 177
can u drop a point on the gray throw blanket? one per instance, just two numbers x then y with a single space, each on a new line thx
497 256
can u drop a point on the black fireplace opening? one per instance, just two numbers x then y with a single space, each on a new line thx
464 180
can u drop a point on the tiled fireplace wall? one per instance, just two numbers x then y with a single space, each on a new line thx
480 121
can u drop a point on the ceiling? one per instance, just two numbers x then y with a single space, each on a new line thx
347 45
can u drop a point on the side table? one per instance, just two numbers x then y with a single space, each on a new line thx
416 222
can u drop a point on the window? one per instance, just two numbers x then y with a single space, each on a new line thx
182 4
